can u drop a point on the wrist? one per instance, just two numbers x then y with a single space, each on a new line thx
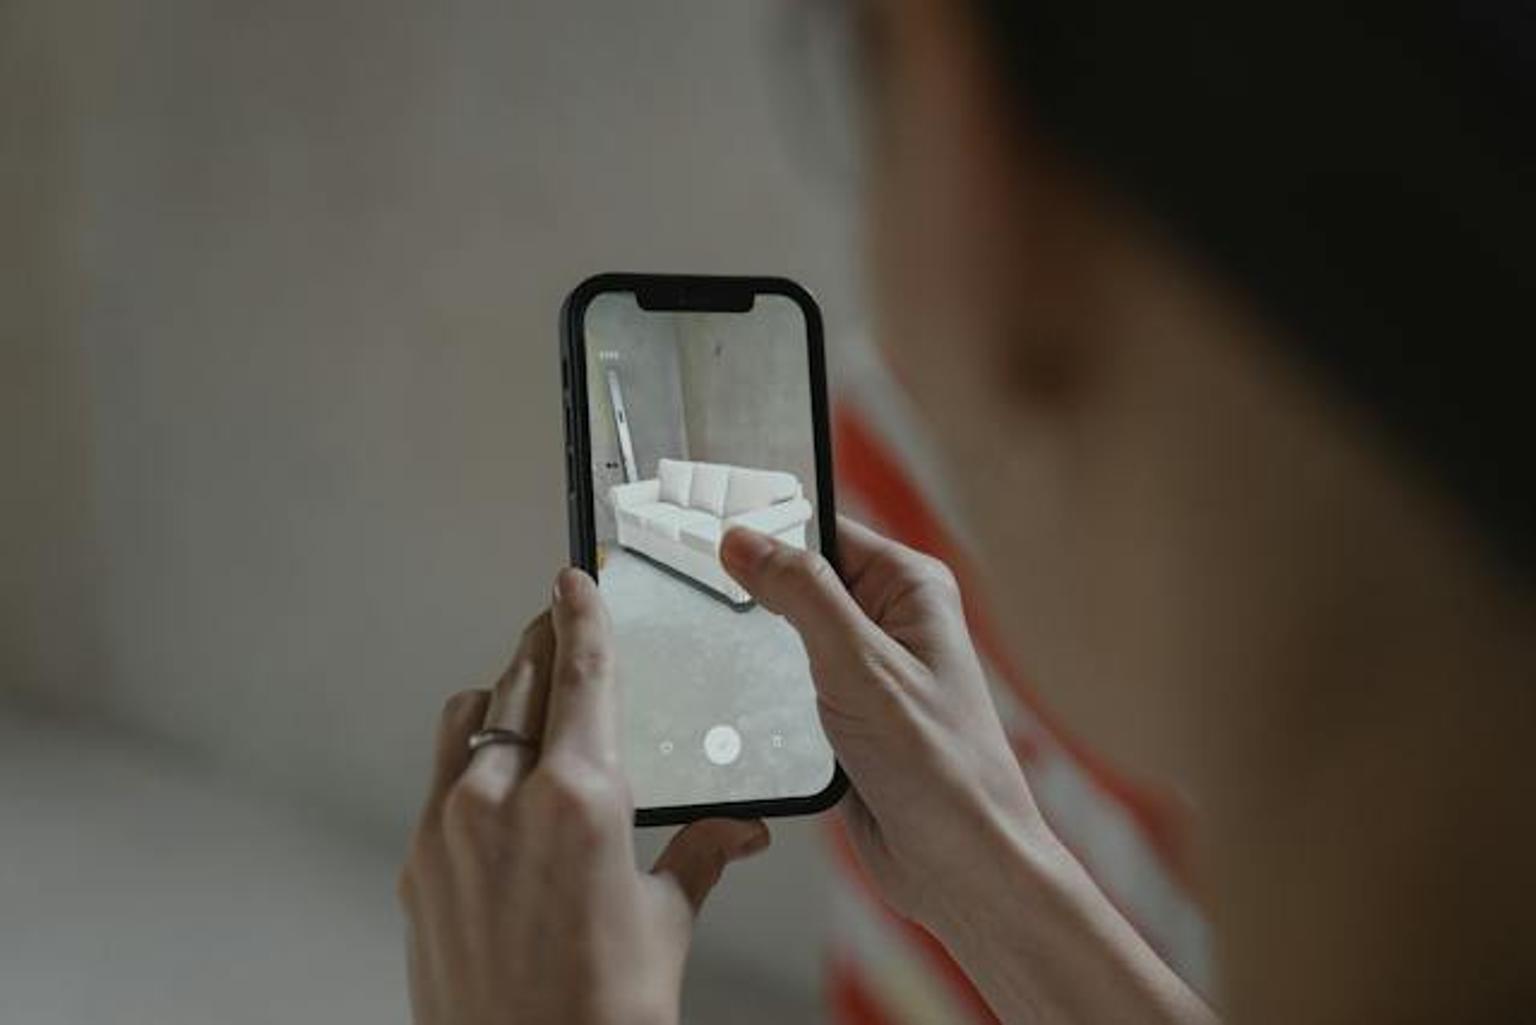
1019 876
1043 943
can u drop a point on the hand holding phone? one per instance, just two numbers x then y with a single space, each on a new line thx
521 846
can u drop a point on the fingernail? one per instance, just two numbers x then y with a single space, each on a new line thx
569 584
744 547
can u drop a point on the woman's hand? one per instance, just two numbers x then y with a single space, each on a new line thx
937 789
521 888
940 812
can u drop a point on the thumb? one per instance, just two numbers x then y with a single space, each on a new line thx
698 854
802 587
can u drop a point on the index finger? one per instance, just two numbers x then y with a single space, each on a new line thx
581 718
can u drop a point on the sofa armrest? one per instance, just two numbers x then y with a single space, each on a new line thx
640 492
772 519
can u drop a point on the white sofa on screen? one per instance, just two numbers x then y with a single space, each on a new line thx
678 516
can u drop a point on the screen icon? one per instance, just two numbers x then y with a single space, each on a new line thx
722 745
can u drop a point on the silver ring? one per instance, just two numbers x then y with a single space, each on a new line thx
500 735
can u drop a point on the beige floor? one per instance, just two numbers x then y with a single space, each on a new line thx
136 889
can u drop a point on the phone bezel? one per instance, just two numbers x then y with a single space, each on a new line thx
704 293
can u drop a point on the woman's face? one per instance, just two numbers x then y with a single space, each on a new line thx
1071 370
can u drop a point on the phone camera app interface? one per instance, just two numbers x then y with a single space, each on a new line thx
700 422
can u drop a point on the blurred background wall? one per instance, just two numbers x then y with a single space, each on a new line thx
279 407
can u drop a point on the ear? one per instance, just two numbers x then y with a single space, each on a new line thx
986 243
1046 231
1064 305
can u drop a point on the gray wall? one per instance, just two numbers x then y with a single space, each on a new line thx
746 391
49 624
286 405
281 411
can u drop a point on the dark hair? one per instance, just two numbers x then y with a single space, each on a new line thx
1364 173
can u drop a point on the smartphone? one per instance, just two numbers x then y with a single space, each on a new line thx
694 404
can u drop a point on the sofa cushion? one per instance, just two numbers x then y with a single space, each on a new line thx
757 489
642 513
701 537
667 520
773 519
708 491
676 479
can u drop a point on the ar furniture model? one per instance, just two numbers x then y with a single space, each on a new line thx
677 517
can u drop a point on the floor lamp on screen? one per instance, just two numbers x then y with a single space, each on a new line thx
621 424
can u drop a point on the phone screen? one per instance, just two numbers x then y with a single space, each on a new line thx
698 421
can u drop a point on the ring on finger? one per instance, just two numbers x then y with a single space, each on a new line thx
500 735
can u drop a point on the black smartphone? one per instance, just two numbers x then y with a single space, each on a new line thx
694 404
